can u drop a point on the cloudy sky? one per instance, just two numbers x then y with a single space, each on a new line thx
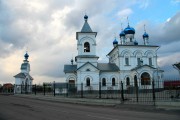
47 29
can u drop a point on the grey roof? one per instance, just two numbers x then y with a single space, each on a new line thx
70 68
103 67
86 27
108 67
23 75
138 67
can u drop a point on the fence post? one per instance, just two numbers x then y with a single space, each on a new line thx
81 90
153 92
44 89
14 89
67 90
54 86
21 88
35 89
122 92
99 89
137 96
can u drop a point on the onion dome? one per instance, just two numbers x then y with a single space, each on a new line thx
26 56
145 35
85 17
115 41
122 33
129 30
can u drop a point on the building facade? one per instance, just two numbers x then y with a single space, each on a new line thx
129 62
23 80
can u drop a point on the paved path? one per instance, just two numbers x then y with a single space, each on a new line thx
19 108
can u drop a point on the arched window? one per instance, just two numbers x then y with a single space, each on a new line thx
104 82
145 79
88 82
150 61
127 61
86 47
135 81
138 61
113 81
127 81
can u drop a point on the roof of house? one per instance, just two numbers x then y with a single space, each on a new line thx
23 75
86 27
7 85
103 67
108 67
70 68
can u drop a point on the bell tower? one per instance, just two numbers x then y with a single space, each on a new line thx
86 45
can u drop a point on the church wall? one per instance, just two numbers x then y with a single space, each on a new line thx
71 76
81 61
18 83
94 79
133 53
108 76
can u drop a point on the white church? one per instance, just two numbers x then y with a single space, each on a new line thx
23 80
129 62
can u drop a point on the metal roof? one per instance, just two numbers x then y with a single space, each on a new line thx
70 68
103 67
23 75
108 67
86 27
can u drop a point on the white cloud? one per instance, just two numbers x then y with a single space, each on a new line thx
124 13
143 4
168 19
175 2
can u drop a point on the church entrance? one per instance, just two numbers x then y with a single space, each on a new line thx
71 85
71 81
145 79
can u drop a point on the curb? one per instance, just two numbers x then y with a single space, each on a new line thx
101 102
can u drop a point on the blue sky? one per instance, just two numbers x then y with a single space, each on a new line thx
155 10
47 30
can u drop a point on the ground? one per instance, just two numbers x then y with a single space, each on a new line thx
20 108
